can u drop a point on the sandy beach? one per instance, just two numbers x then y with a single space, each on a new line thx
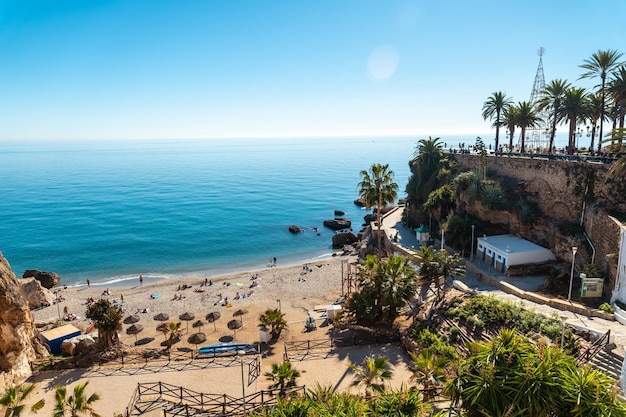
299 290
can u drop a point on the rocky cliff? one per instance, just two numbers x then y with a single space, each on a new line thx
18 343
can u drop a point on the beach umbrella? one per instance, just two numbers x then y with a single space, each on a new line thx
131 319
212 318
187 317
161 327
162 317
239 313
198 323
234 325
196 339
135 329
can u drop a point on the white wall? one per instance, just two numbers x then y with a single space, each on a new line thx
619 293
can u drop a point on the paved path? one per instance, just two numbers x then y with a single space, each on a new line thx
392 224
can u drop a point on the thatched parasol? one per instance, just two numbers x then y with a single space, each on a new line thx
239 313
162 317
198 323
131 319
161 327
234 325
212 318
187 317
135 329
196 339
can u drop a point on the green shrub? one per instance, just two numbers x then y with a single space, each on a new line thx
464 180
606 307
493 197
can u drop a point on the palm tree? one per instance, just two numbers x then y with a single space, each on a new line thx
593 114
275 320
551 100
373 374
429 371
437 265
600 64
494 109
617 90
283 376
510 121
171 331
13 399
76 404
574 109
377 189
526 117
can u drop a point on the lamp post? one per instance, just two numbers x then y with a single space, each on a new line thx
442 239
57 298
241 354
472 248
563 320
571 277
279 306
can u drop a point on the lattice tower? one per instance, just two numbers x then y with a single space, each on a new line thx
538 138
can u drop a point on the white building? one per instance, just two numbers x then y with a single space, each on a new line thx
503 251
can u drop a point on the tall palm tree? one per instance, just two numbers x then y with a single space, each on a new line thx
601 64
377 189
283 376
574 108
617 90
77 404
13 399
494 109
373 374
551 101
593 114
526 117
437 265
510 121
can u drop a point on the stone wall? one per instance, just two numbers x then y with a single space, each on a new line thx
564 191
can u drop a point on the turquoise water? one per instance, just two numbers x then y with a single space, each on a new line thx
110 211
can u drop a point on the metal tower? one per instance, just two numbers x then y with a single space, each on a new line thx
537 138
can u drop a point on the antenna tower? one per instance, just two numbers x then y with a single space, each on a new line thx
537 137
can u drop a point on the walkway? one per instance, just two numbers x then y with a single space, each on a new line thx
480 277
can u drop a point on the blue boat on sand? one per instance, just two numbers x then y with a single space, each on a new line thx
227 349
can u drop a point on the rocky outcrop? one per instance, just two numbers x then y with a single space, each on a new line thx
47 279
359 203
339 213
77 345
18 343
342 239
338 224
35 295
294 229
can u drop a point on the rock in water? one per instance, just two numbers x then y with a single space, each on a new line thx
18 343
342 239
295 229
47 279
338 224
339 213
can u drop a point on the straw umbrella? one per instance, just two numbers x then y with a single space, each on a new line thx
187 317
161 327
212 318
162 317
135 329
198 323
196 339
131 319
234 325
239 313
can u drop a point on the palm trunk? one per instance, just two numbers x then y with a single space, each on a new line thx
601 114
523 139
552 134
378 217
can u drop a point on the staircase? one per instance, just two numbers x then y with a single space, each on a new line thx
609 362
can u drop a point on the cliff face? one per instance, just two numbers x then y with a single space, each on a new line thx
18 344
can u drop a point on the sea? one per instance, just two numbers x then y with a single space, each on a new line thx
109 211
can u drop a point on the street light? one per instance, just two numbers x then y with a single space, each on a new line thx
472 248
563 320
279 307
241 354
571 277
57 298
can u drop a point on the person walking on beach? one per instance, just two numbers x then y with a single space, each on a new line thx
274 261
88 283
140 279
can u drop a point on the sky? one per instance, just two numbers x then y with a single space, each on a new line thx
152 69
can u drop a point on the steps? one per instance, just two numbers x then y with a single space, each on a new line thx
608 362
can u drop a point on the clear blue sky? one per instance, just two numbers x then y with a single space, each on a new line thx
88 69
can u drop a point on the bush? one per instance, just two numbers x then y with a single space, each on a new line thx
492 196
464 180
607 308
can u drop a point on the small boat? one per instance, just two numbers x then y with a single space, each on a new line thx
227 349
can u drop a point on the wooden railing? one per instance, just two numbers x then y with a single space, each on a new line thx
180 401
